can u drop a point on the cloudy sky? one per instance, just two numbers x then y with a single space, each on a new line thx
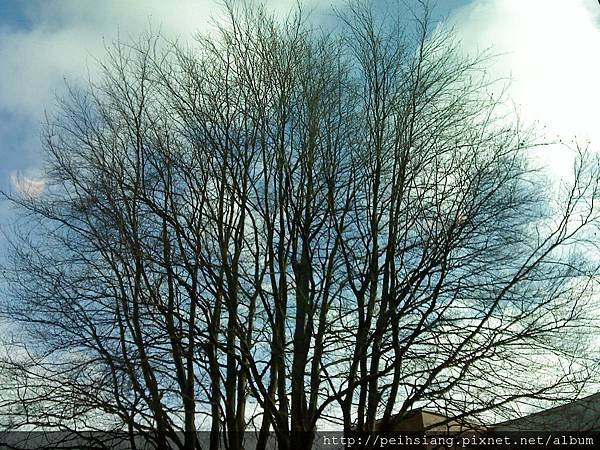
549 49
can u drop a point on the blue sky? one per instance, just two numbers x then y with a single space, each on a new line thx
549 48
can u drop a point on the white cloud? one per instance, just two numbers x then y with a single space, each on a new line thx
66 35
549 49
63 40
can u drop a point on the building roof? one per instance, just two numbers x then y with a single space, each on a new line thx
420 419
579 415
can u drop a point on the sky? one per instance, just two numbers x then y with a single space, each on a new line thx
547 48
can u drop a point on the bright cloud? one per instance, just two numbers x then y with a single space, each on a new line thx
549 49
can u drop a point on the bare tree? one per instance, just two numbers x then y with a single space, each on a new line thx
282 229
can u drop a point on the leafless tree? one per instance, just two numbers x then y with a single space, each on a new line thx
282 229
